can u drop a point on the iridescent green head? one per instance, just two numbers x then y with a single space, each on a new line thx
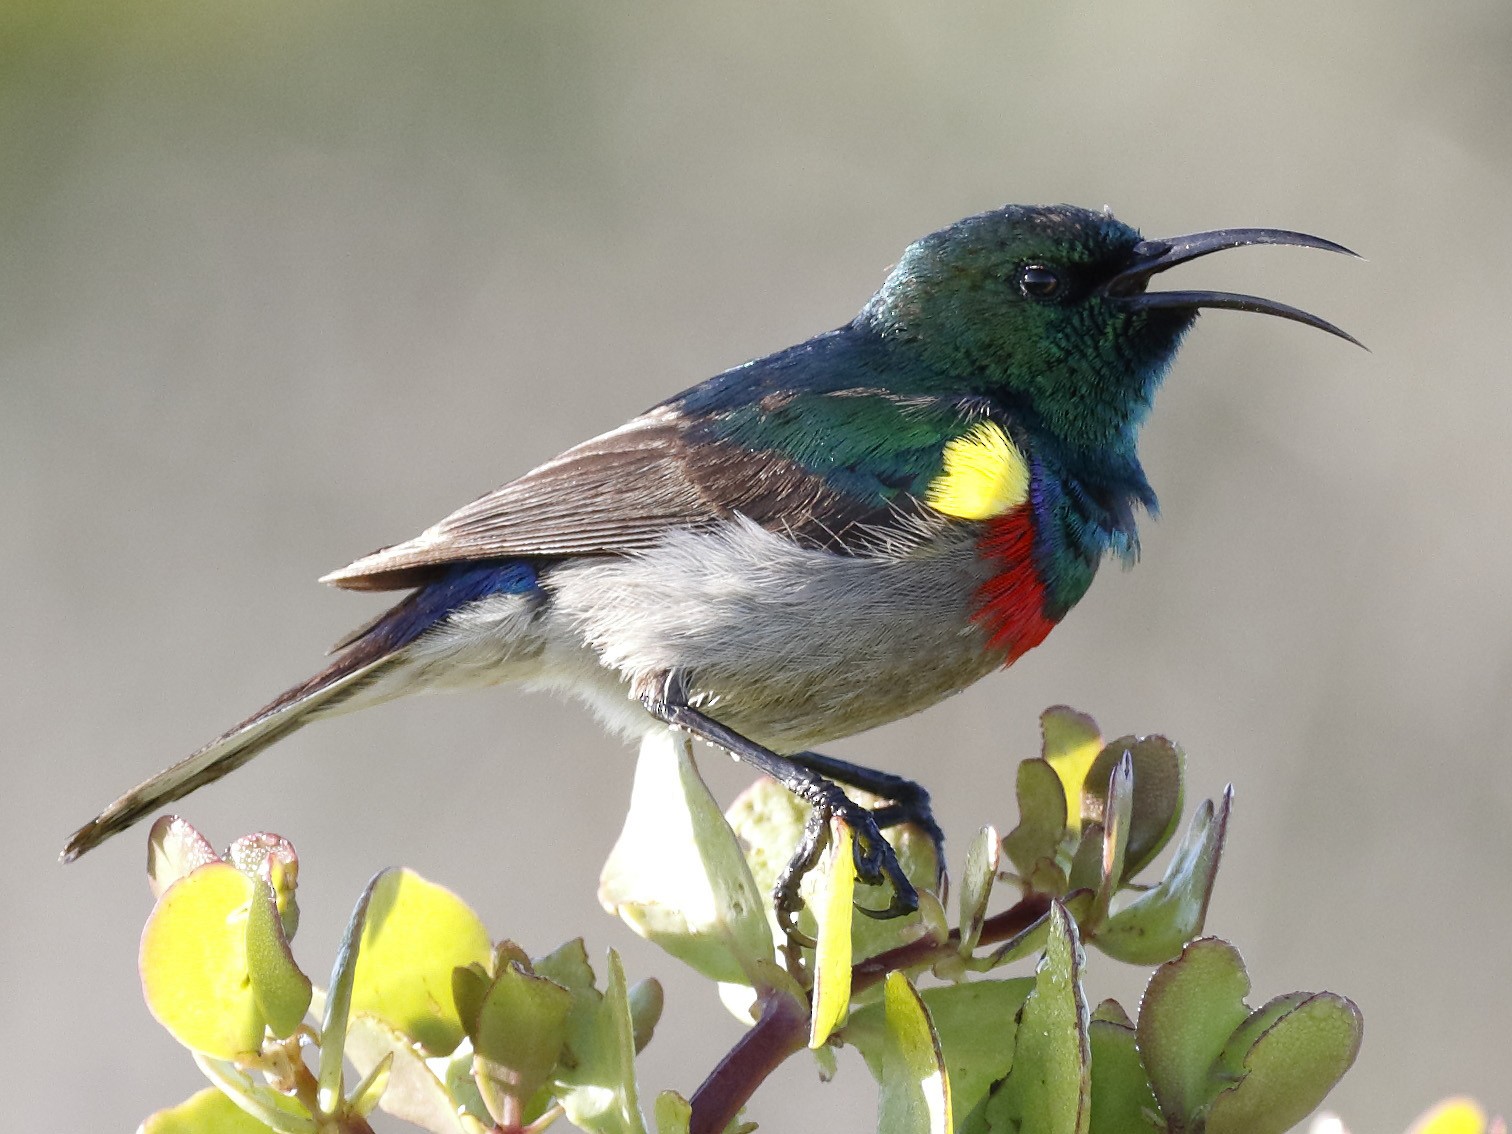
1046 308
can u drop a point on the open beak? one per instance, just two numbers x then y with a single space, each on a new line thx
1152 256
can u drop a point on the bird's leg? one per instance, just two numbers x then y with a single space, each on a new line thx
908 801
874 857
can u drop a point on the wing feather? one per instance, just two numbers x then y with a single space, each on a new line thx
620 493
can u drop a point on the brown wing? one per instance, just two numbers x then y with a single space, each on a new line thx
620 493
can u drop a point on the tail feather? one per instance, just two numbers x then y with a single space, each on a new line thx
364 654
287 713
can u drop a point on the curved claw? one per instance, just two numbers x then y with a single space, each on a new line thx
904 903
876 863
787 921
786 899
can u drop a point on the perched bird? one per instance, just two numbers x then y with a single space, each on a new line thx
811 544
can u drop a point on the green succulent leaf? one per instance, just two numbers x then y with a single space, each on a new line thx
1114 840
1287 1066
595 1082
194 967
1086 871
470 985
976 1023
768 820
1191 1008
338 1002
271 858
1071 743
646 1000
677 875
674 1114
276 1111
413 934
1230 1062
982 858
175 849
517 1037
1048 1087
1035 844
414 1093
207 1112
282 992
1159 794
568 966
915 1095
366 1095
1122 1100
1154 926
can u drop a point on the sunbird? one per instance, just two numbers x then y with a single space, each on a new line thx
810 544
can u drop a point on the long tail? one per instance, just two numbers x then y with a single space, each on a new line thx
288 712
366 654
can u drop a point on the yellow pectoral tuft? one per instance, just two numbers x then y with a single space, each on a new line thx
984 475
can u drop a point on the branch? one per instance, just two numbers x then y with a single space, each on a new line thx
782 1029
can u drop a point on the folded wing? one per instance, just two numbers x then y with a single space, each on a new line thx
621 492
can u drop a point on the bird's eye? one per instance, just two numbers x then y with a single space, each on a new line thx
1039 282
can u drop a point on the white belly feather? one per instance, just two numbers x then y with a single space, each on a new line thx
789 646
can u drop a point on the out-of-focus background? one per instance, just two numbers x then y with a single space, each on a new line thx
282 282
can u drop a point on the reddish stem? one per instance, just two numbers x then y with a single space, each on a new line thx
782 1029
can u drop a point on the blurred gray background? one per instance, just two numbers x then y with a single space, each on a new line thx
284 281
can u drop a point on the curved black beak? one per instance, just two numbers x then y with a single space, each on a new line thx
1152 256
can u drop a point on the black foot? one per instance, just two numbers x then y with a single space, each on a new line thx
876 862
908 801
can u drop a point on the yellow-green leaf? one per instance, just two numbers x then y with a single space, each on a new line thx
271 857
769 820
413 1093
282 1113
193 963
174 848
976 884
1452 1116
677 875
975 1023
596 1085
413 935
1115 839
832 953
1071 743
674 1114
207 1112
517 1039
1035 843
281 990
915 1087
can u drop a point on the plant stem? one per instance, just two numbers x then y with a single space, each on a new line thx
782 1029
